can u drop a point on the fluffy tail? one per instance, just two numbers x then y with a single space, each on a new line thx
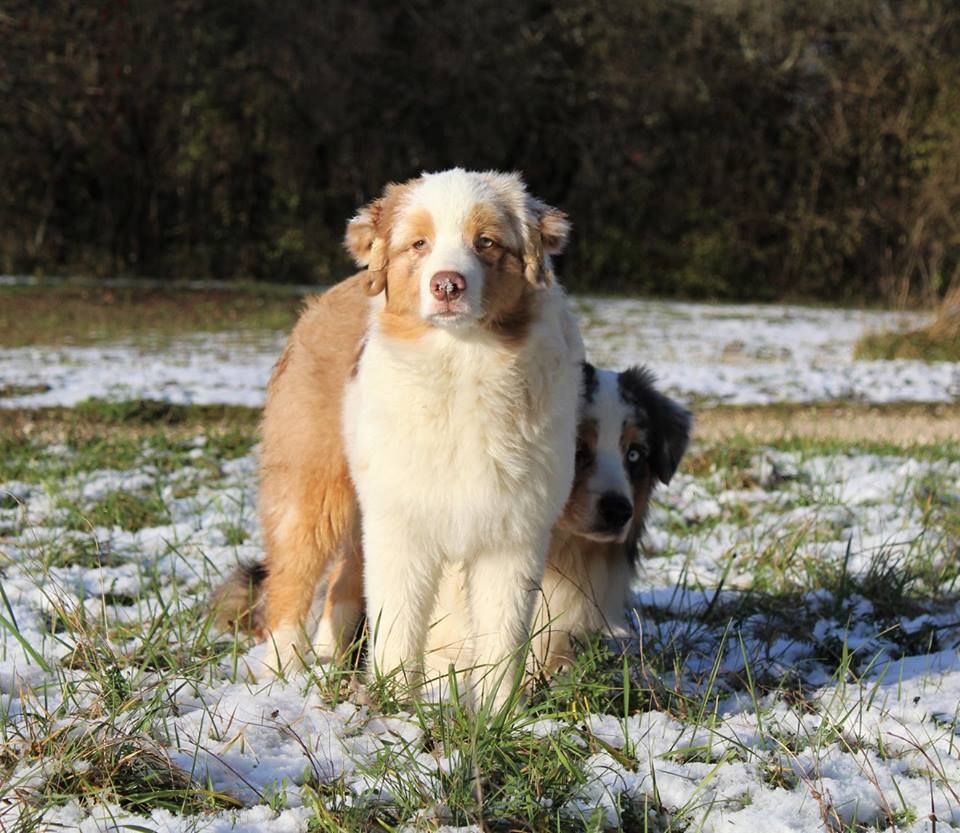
238 603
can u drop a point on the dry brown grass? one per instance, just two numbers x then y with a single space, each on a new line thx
947 323
57 315
127 420
899 424
940 341
903 425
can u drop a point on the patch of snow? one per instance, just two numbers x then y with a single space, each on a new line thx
743 354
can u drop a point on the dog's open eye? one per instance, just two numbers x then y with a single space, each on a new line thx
634 455
484 242
419 244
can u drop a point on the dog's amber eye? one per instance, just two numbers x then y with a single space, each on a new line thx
419 244
484 242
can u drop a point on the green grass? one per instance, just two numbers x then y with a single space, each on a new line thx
142 412
121 435
734 457
128 511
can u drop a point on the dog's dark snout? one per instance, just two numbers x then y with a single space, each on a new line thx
615 510
448 286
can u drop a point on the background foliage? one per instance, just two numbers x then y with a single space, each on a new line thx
723 148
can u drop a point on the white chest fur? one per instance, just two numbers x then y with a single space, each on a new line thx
467 442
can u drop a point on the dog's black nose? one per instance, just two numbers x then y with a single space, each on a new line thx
614 510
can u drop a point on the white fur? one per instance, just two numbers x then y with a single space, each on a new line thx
584 589
609 411
461 449
449 197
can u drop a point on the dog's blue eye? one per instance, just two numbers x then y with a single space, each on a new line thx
484 242
633 455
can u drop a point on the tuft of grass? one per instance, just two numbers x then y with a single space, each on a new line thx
234 534
11 390
94 732
938 342
128 511
79 549
925 344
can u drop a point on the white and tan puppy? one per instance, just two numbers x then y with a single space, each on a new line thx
630 437
460 420
447 405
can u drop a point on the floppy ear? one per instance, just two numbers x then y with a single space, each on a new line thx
554 229
368 245
545 232
362 231
671 430
668 422
543 229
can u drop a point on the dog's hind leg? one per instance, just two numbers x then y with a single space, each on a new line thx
303 536
344 604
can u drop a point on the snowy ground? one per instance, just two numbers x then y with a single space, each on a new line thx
747 354
789 687
795 663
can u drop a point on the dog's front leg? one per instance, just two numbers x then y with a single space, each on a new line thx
401 580
502 588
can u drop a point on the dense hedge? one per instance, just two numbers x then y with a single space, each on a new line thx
733 148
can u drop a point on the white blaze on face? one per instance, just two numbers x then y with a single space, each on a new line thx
610 413
449 197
